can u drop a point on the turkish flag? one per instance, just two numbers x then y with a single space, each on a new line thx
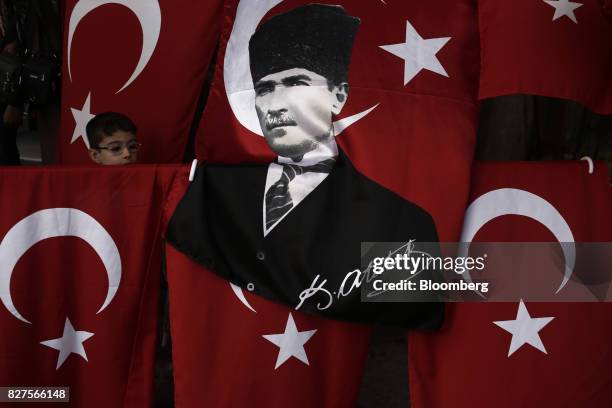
234 349
560 49
411 103
80 256
530 354
146 59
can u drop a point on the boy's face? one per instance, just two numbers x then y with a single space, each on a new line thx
118 148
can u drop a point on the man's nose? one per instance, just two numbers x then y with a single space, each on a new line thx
278 100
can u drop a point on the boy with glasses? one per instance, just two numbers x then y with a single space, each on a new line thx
112 139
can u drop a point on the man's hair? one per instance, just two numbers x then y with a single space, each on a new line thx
316 37
105 124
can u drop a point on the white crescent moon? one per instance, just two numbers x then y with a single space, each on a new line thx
237 70
149 16
512 201
240 295
50 223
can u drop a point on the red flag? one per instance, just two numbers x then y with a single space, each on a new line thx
412 92
234 349
534 354
79 280
411 101
561 49
146 59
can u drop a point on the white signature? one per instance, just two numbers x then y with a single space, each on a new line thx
352 281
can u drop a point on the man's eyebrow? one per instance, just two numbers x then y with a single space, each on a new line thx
294 78
262 84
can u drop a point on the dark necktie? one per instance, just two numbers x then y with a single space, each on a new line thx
278 199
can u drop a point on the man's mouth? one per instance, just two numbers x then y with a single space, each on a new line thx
274 122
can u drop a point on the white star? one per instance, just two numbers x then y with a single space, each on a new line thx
70 342
564 8
81 117
290 343
524 329
417 53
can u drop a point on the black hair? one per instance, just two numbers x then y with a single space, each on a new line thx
317 37
105 124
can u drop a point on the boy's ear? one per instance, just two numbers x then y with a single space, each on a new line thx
94 155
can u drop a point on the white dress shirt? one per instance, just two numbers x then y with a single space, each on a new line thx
302 184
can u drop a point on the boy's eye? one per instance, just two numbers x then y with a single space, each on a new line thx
133 146
115 148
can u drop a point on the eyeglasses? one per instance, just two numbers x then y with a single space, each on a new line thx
116 148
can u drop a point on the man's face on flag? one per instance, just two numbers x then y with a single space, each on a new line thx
295 108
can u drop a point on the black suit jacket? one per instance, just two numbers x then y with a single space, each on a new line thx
219 223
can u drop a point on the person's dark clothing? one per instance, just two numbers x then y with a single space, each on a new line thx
219 223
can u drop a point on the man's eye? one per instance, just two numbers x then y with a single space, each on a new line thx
298 83
262 90
115 149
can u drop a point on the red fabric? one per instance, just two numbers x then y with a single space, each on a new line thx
467 364
540 56
63 277
607 9
417 126
220 358
106 48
